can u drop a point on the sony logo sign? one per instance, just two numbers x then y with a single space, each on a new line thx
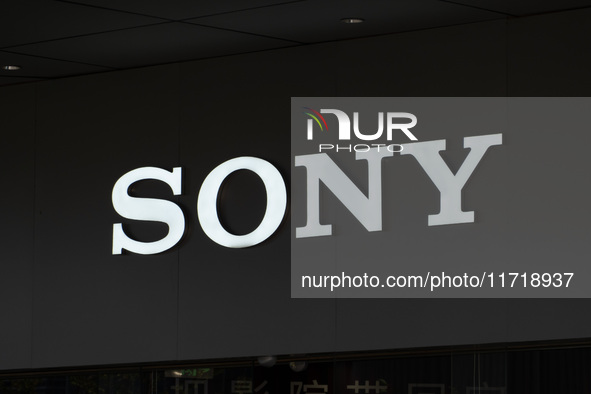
319 167
151 209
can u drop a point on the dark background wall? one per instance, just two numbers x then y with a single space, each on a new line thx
66 301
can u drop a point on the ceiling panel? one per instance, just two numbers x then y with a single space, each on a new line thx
33 66
555 45
164 43
15 80
27 21
181 9
319 20
73 37
526 7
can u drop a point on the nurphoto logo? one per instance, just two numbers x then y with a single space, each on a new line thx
394 122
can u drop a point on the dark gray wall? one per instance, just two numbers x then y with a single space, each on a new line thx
66 301
17 123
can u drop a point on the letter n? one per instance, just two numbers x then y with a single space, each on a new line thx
366 209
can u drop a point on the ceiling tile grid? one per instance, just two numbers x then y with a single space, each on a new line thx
58 38
41 67
30 21
320 20
177 10
526 7
157 44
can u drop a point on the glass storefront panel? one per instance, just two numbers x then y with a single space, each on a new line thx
455 371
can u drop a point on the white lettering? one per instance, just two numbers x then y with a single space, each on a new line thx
368 210
364 137
149 209
401 126
449 185
344 122
276 202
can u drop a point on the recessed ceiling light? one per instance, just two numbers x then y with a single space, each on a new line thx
11 68
352 20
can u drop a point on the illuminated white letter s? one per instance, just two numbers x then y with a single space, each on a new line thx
149 209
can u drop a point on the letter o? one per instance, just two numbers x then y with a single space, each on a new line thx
208 195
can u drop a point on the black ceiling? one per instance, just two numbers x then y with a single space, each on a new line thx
57 38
